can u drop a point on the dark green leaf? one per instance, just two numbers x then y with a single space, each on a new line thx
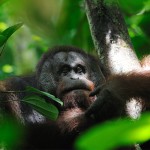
31 89
8 32
43 107
114 134
2 40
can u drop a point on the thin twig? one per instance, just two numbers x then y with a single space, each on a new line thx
13 91
4 101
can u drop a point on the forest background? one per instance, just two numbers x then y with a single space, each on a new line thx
49 23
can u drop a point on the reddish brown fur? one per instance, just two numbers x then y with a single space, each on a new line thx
135 84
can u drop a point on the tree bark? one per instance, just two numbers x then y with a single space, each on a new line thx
113 44
110 36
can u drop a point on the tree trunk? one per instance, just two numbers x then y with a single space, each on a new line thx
113 44
110 36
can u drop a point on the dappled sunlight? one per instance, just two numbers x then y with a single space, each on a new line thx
3 26
7 68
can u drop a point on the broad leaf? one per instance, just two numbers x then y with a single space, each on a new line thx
43 107
114 134
8 32
31 89
2 40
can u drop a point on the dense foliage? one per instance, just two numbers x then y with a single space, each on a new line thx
48 23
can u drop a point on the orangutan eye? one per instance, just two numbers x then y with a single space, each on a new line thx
80 69
65 70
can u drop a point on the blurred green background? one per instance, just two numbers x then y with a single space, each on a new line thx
57 22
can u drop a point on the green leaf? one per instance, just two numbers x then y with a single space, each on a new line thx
8 32
31 89
10 133
43 107
114 134
2 40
